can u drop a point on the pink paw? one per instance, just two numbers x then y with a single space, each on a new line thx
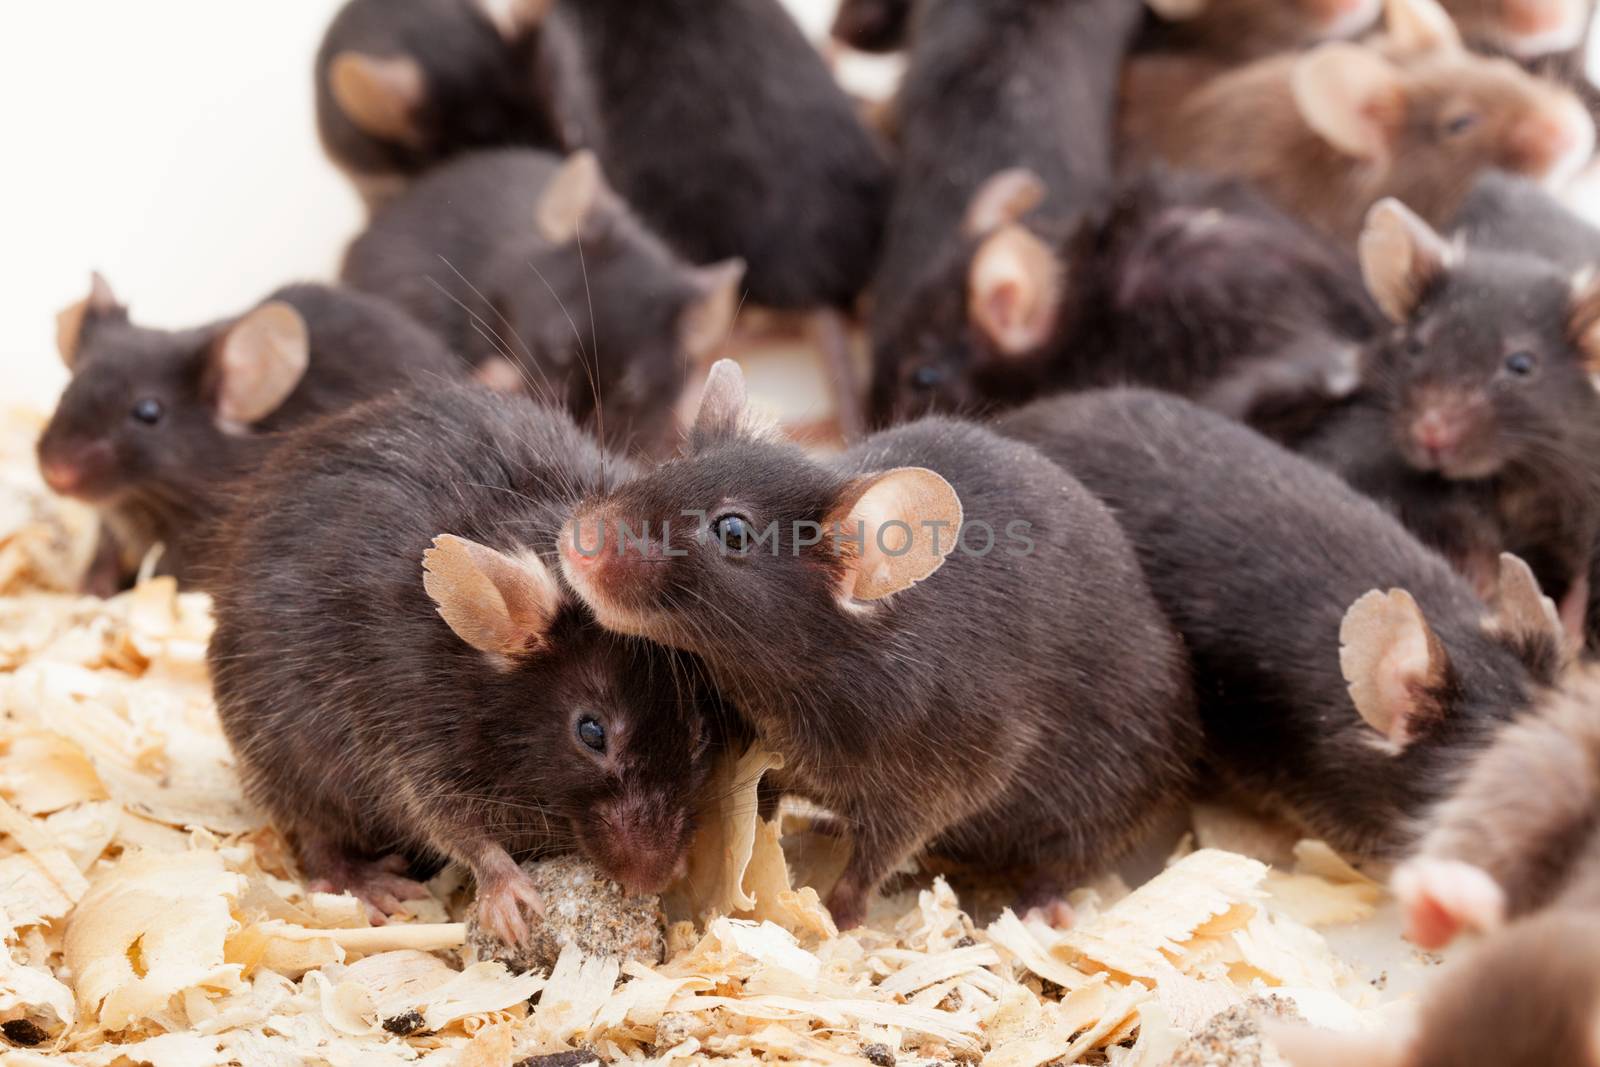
1057 913
1441 898
382 885
501 902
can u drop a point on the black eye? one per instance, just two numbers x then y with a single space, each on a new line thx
1521 364
927 376
148 411
1457 125
1414 347
732 531
591 733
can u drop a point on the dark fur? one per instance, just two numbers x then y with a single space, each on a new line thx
169 482
483 91
1026 711
592 324
723 127
1256 555
993 85
1533 487
364 726
1186 282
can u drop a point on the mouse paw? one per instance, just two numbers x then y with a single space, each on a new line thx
382 885
1441 898
848 905
502 898
1057 913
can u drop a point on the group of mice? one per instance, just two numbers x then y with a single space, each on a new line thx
1255 316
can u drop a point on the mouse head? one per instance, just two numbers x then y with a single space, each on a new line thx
746 533
1525 28
1493 356
1540 977
977 329
1267 25
402 84
614 732
615 320
1428 115
153 411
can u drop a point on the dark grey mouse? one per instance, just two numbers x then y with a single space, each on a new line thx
1182 281
156 426
539 274
722 126
945 637
403 677
1345 673
402 85
1478 420
992 87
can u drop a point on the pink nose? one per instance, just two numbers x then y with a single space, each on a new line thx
1436 432
63 476
1545 141
1529 17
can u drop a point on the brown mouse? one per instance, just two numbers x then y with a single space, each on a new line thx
155 426
1477 419
945 637
404 679
1526 29
1520 834
1330 131
1237 31
1527 997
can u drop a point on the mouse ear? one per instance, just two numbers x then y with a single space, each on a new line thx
70 320
1401 257
1304 1046
1014 289
1394 665
1351 97
513 18
722 404
379 94
572 199
1004 196
893 530
492 601
706 321
1419 26
1521 609
1583 317
258 363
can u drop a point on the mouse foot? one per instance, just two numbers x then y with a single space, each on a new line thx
382 884
1441 898
1057 913
848 905
504 891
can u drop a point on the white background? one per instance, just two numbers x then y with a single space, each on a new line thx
169 144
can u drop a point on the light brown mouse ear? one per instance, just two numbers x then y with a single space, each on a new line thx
1583 317
1413 26
1014 290
70 319
707 320
722 403
258 363
573 198
496 603
1304 1046
513 18
1401 256
1004 196
1520 608
1176 10
893 530
1394 664
379 94
1351 97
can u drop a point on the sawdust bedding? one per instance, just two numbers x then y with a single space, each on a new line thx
151 917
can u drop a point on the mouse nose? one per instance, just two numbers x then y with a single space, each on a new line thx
1439 432
70 472
63 476
1537 18
585 542
1556 139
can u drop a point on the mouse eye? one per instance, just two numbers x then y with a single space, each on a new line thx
591 733
1456 125
1414 347
148 411
927 376
1521 364
732 530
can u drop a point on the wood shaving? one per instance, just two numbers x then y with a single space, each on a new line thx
150 916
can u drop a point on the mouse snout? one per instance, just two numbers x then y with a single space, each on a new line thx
1537 27
1344 18
73 471
640 842
1554 141
614 564
1443 428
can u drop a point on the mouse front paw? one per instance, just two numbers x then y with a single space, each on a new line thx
1440 898
502 898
